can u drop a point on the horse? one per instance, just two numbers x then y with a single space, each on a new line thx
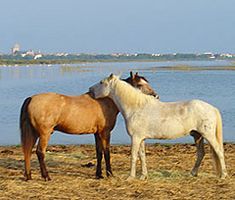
42 114
146 117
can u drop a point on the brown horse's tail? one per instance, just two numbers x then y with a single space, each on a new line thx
28 135
219 138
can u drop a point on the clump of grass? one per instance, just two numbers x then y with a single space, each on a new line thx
168 174
164 144
62 155
68 68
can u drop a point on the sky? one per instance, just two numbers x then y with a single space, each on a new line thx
121 26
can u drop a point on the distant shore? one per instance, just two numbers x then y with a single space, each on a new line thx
20 62
67 64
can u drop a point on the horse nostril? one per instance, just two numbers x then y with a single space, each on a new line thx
154 94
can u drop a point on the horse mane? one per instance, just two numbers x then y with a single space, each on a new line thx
134 95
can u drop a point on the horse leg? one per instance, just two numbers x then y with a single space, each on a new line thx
98 156
199 141
218 156
135 146
105 139
41 151
27 155
143 161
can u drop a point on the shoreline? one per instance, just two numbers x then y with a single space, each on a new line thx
118 144
180 67
10 62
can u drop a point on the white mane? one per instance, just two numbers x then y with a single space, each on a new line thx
134 96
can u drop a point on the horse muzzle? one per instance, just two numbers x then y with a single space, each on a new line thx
91 90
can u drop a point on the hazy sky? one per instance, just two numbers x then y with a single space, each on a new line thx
107 26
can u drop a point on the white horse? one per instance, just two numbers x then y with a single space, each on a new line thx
147 117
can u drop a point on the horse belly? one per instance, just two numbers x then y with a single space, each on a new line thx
77 126
171 129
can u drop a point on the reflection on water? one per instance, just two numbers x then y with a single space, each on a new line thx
17 83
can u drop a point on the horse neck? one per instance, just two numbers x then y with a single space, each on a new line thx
126 97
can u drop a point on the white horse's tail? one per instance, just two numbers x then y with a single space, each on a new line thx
219 138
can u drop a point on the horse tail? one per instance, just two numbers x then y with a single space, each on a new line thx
219 138
28 135
219 130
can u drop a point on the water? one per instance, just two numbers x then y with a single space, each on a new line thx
17 83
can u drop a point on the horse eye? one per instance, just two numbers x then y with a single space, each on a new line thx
139 85
101 82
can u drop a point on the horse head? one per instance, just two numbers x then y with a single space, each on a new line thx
141 83
102 89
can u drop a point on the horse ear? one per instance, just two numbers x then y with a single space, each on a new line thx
110 76
131 74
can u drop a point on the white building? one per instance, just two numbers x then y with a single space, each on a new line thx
15 49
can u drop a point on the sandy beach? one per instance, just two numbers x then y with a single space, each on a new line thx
72 169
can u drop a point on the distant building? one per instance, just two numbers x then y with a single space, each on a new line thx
227 55
28 53
15 49
37 56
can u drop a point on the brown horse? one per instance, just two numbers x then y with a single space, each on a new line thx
44 113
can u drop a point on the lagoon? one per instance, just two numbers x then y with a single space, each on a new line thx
216 87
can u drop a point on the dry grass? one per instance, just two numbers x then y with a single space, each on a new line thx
169 175
72 69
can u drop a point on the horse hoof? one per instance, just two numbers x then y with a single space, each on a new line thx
28 177
194 174
99 177
223 176
109 174
143 177
47 178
